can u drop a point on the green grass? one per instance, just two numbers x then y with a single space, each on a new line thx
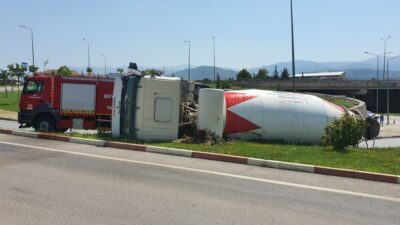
383 160
11 102
339 101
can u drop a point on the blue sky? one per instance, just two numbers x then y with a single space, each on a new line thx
248 33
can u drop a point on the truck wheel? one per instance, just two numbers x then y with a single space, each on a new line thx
44 123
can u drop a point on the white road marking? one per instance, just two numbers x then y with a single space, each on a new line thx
337 191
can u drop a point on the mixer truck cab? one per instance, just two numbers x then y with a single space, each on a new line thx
57 103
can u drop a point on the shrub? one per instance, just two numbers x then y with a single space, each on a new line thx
344 132
226 84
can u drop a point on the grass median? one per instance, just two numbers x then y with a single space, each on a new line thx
11 102
380 160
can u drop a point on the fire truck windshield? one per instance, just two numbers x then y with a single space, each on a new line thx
31 87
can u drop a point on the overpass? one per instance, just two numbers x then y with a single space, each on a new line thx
364 90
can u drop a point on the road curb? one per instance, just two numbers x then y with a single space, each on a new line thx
126 146
86 141
5 131
9 119
395 136
214 156
297 167
24 134
169 151
219 157
53 137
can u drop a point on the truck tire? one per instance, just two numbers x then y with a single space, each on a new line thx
44 123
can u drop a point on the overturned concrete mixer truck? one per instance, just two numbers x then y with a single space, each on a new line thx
162 108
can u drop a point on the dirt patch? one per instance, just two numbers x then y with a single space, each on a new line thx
8 115
201 137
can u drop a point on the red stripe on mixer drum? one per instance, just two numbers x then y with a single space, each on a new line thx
235 123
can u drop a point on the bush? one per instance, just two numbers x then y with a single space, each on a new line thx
344 132
226 84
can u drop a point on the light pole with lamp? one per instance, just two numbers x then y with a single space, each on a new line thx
377 78
88 47
387 89
188 41
384 55
33 51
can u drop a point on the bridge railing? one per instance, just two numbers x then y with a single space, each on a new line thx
320 83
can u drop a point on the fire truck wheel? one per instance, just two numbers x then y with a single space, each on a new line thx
44 123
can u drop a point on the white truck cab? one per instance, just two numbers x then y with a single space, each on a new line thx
146 107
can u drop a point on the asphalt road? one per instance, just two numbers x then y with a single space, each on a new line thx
49 182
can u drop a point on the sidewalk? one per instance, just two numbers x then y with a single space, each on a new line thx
391 130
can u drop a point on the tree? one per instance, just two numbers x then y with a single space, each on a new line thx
64 71
120 70
89 70
243 75
275 74
206 81
262 74
4 79
33 69
18 71
285 74
218 81
152 72
226 84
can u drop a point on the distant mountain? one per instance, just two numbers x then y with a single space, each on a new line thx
354 70
358 74
203 72
100 70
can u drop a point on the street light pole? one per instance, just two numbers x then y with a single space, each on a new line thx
188 41
293 58
387 89
105 64
88 44
377 79
33 50
384 55
214 55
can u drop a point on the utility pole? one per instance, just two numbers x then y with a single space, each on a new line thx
188 41
214 55
88 47
293 58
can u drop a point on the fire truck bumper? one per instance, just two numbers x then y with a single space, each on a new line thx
25 118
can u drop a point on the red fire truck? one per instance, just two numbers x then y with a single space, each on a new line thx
57 103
